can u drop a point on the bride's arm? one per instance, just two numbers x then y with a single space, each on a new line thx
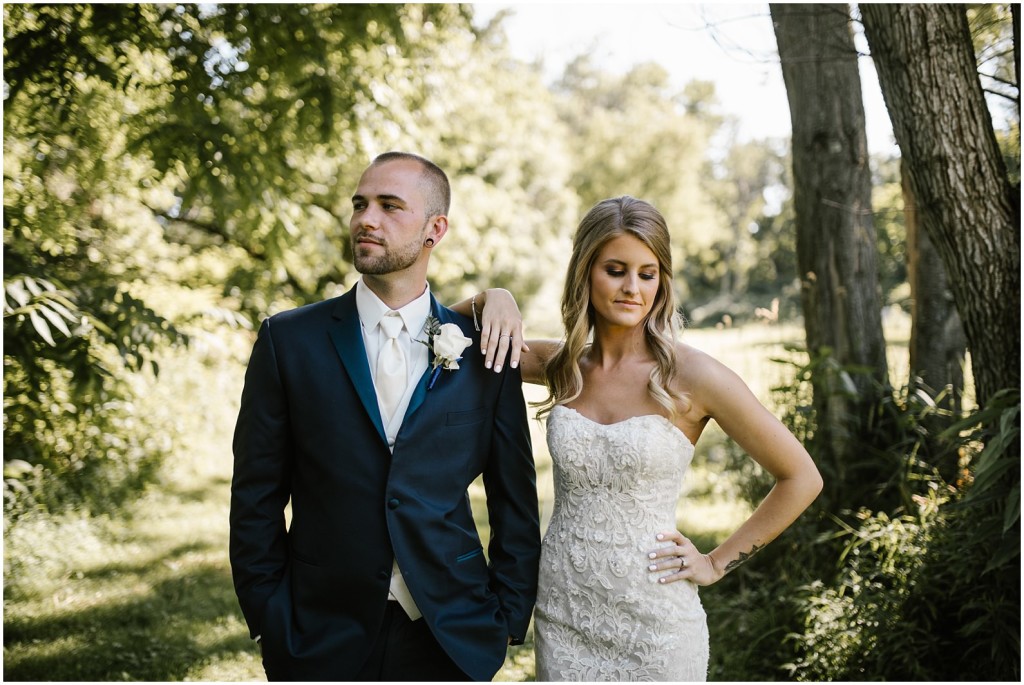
500 326
724 397
501 333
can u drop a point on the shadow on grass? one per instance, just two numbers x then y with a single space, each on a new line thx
160 634
211 489
114 570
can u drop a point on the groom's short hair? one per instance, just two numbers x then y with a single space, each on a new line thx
438 189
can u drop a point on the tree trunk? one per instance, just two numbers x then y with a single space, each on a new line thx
926 66
836 250
937 343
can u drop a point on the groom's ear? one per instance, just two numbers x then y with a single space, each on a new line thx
438 226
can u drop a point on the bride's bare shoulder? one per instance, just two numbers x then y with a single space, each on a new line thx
697 370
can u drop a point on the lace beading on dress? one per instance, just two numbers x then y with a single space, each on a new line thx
601 615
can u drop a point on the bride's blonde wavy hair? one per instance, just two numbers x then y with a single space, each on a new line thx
607 220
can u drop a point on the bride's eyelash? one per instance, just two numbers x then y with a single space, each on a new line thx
618 273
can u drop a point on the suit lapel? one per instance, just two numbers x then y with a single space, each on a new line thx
420 393
347 336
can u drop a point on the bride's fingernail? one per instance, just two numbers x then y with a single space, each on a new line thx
652 567
660 536
652 555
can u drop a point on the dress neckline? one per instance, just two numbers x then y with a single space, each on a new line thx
665 420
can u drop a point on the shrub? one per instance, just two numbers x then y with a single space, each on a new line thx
933 595
897 571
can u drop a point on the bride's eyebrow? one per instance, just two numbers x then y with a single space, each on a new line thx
614 261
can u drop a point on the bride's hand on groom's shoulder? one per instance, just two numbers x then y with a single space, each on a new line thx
679 559
501 329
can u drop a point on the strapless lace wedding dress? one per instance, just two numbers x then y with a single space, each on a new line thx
601 615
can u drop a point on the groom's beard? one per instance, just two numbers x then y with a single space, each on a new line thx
397 258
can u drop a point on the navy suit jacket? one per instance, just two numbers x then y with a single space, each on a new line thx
309 431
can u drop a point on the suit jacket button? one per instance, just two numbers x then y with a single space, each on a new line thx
393 503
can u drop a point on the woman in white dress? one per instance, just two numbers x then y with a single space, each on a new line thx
618 597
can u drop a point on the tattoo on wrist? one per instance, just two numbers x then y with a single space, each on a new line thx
743 557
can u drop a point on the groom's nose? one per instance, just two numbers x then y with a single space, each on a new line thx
368 218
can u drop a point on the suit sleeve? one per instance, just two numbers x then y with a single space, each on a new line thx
260 483
511 483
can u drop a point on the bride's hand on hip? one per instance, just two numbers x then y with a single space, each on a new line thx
684 558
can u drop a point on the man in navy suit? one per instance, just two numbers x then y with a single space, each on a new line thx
374 439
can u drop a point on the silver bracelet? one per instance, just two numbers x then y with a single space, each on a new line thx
476 322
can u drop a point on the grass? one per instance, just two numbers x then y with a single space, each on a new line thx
147 595
147 598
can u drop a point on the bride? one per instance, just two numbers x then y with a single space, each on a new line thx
618 597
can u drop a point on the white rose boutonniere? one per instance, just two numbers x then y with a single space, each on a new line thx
447 343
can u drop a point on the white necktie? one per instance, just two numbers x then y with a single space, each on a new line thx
392 373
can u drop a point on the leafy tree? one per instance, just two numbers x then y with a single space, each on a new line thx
663 161
167 168
490 122
172 169
78 244
753 262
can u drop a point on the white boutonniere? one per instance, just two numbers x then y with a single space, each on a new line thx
447 343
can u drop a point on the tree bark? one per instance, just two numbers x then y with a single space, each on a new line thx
836 250
937 342
938 347
928 74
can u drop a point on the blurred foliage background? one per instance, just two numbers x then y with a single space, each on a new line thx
174 173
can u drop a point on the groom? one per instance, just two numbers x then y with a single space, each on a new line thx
374 439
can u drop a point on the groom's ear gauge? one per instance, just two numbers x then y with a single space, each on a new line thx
429 242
